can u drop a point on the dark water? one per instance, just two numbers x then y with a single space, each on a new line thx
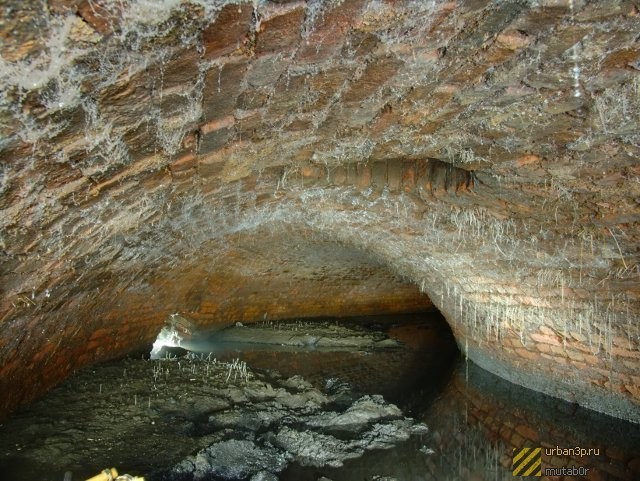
475 419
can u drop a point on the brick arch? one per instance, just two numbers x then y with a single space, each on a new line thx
494 167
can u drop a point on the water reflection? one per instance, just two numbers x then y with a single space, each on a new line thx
477 409
475 419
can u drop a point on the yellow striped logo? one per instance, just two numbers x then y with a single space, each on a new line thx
527 462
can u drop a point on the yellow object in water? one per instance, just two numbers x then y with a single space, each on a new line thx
105 475
112 475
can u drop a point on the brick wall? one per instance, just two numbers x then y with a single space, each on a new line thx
482 151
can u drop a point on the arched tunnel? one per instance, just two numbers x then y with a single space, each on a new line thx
238 161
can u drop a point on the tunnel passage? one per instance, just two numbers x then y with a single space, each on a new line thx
266 273
484 151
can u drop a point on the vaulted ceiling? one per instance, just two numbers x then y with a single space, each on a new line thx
243 160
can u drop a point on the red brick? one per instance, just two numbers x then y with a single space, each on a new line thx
548 331
409 176
59 175
623 352
546 339
621 58
622 341
290 93
513 39
102 15
591 359
379 174
339 175
526 354
580 365
375 75
216 139
527 432
324 85
251 127
512 341
386 119
352 174
252 99
311 174
394 175
181 70
329 31
634 390
230 30
280 32
155 179
211 165
225 122
185 162
574 355
517 441
221 89
543 348
556 359
298 124
575 339
505 433
586 348
364 176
